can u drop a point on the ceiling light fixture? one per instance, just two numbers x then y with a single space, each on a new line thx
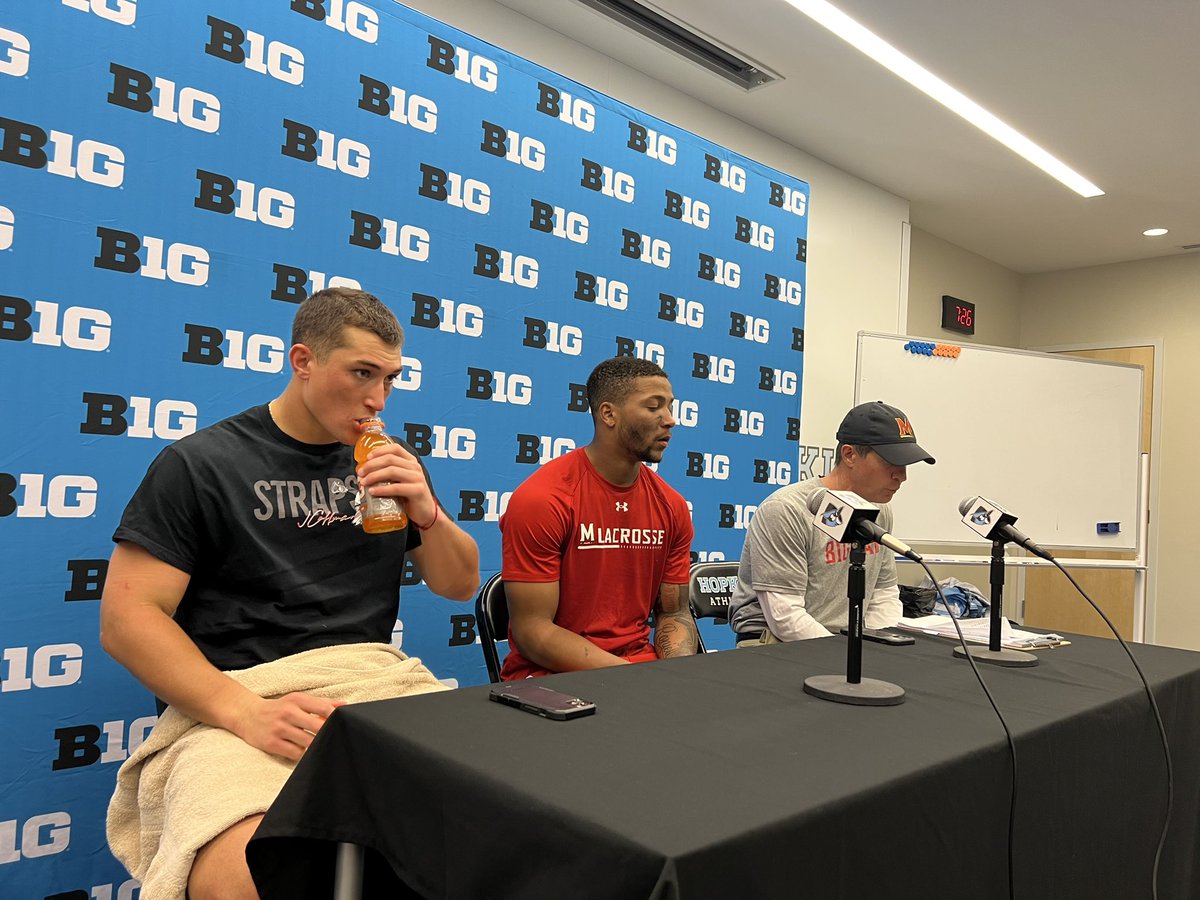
1154 232
889 57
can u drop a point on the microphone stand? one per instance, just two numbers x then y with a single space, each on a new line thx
854 689
994 654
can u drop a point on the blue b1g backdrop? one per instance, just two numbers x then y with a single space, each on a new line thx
176 175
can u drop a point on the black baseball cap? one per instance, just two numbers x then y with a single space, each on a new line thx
884 429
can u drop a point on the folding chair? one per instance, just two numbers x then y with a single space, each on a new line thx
491 618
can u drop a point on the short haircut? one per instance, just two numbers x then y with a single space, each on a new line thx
321 320
612 380
860 449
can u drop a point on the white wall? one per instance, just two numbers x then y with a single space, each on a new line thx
855 229
1138 303
939 267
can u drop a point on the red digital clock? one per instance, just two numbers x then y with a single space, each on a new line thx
958 315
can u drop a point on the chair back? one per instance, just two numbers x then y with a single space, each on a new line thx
491 618
710 588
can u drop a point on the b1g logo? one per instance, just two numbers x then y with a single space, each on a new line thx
639 349
243 47
410 375
14 53
783 290
455 190
685 209
450 316
562 223
719 271
734 515
482 506
726 174
577 400
327 150
657 146
562 106
52 666
713 368
789 199
606 181
41 835
681 311
389 236
87 579
208 345
440 441
513 146
387 100
750 232
122 12
772 471
505 266
8 231
655 251
23 144
793 429
168 420
686 413
499 387
86 745
744 421
62 497
462 64
708 556
751 328
188 106
601 290
181 263
293 285
348 16
707 465
551 336
245 200
76 327
778 381
539 449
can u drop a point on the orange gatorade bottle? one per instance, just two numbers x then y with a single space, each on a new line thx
379 514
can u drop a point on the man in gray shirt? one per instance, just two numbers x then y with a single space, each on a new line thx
791 577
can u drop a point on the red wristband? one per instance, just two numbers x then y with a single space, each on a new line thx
432 522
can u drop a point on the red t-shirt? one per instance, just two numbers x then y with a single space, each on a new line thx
608 547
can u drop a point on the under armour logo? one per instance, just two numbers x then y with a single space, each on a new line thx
622 506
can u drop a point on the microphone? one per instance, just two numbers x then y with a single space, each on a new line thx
994 522
846 517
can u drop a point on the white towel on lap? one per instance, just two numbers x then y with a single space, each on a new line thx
188 782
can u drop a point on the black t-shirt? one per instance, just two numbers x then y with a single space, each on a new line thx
262 524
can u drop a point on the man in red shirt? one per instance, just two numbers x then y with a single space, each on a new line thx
594 541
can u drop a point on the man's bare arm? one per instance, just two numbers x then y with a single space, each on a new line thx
531 610
141 593
674 627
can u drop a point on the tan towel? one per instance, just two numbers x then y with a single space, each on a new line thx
188 782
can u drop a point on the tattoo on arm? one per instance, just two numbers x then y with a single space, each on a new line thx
675 634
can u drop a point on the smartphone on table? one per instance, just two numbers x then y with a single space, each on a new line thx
541 701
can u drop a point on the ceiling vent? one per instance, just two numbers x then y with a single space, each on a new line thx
683 42
1190 247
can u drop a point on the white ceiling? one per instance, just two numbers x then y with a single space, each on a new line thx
1108 87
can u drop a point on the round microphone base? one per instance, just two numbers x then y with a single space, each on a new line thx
1015 659
868 692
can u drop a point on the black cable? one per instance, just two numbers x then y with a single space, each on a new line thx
1162 730
1012 747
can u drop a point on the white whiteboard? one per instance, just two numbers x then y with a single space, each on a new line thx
1055 439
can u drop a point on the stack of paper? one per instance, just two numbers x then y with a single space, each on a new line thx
978 631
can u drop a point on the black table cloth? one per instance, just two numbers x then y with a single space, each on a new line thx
717 776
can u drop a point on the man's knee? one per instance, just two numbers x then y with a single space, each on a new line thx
219 871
